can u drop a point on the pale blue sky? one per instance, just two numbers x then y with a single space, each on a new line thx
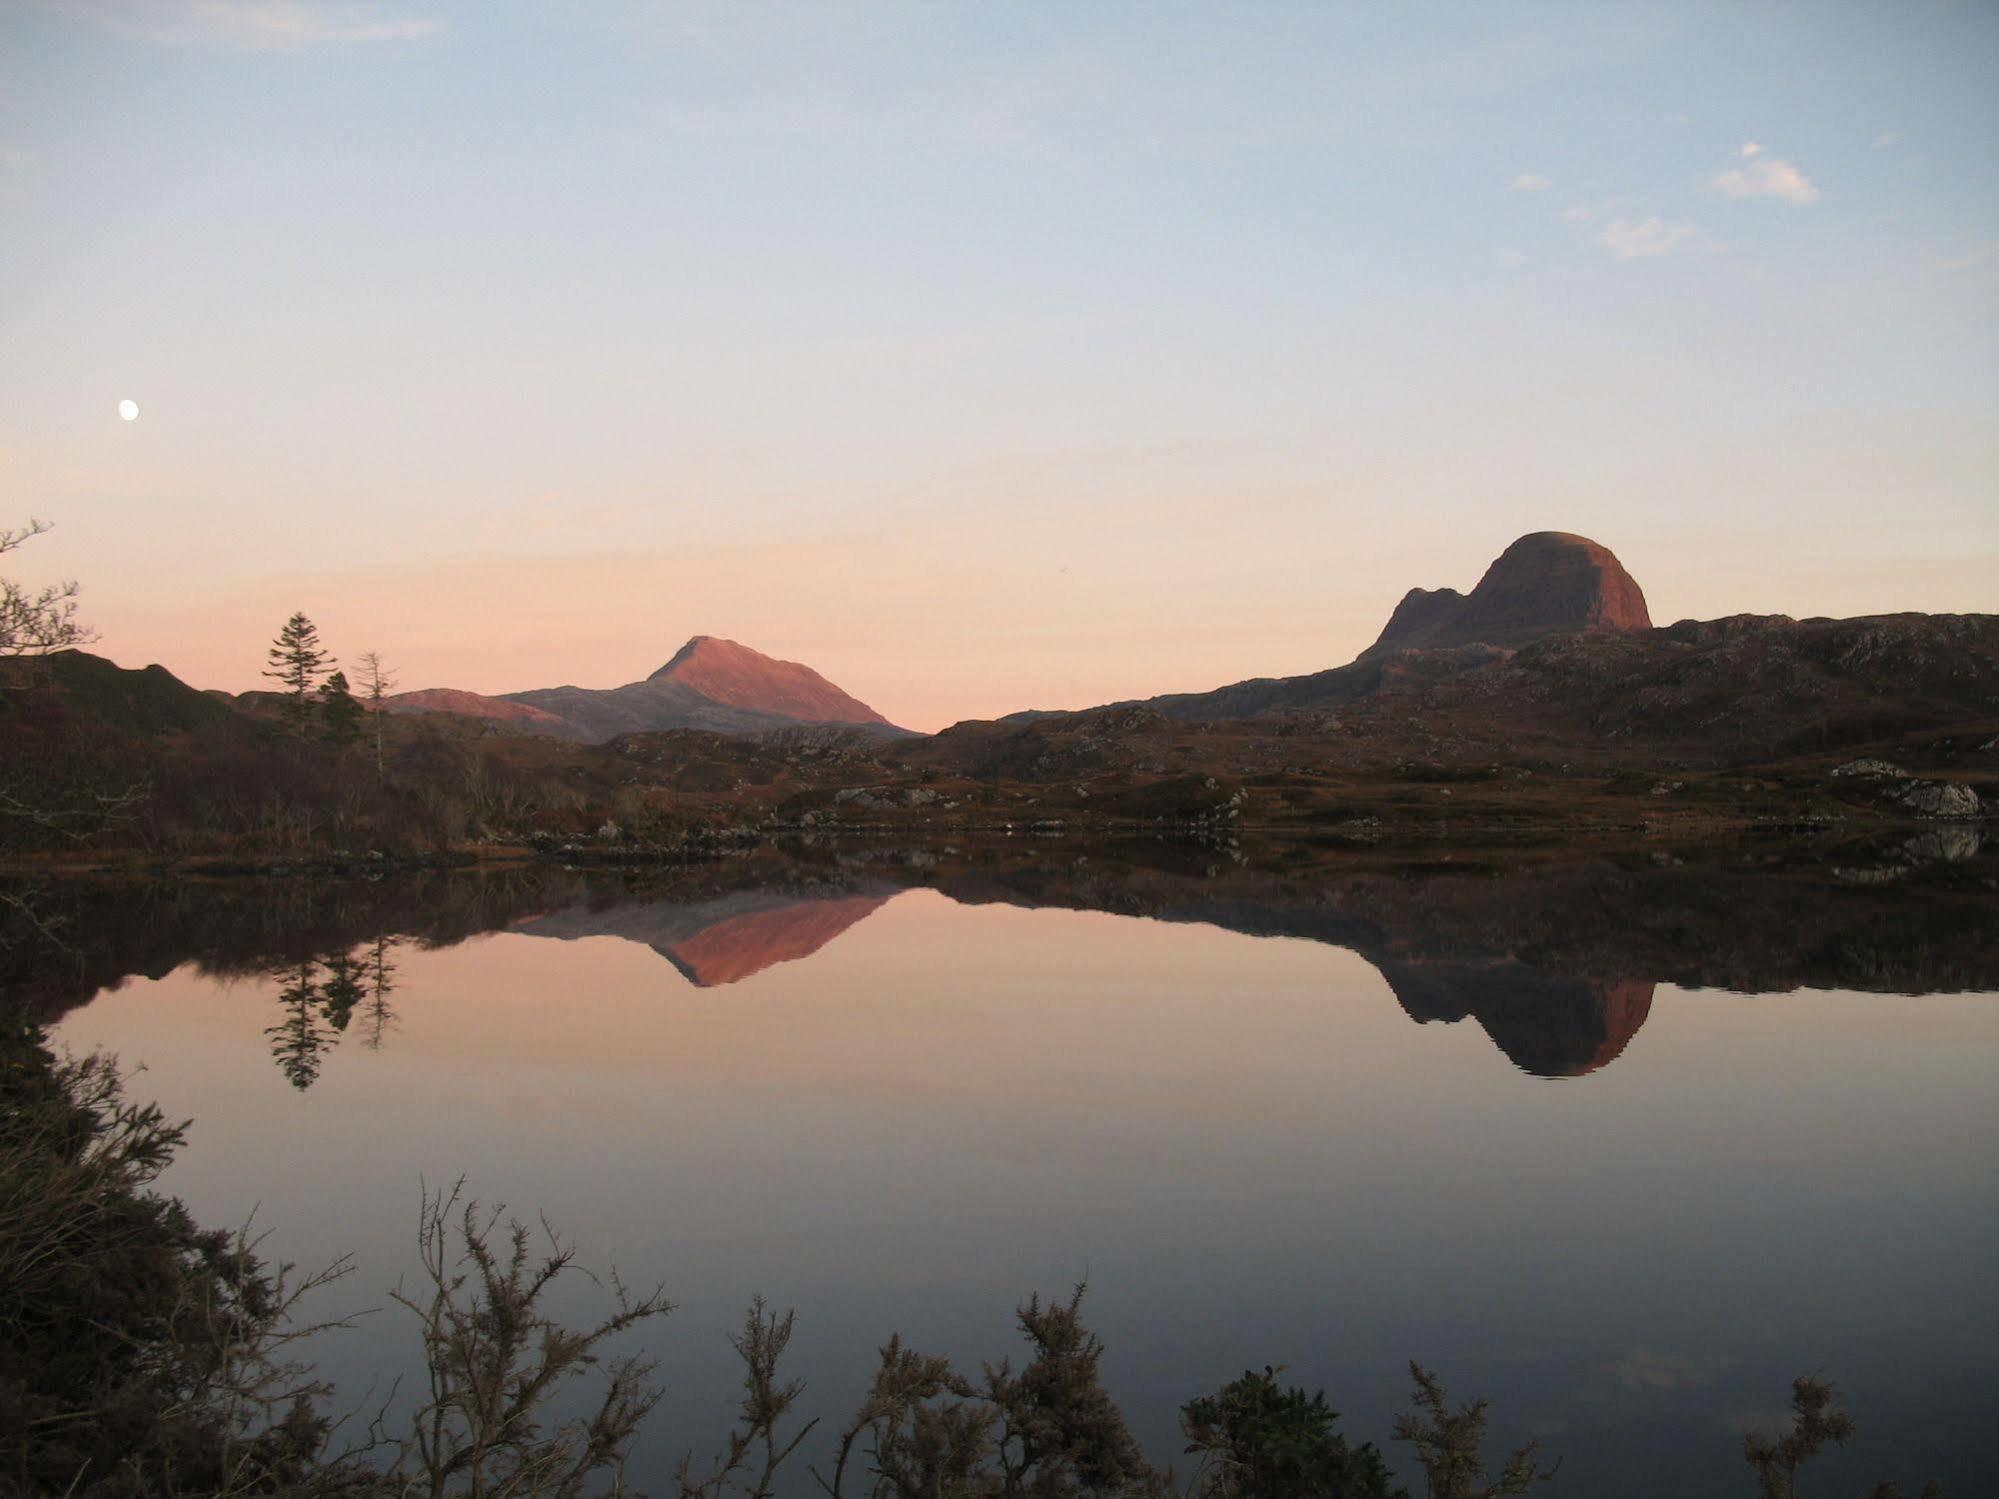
984 355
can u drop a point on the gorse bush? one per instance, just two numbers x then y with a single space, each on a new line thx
139 1354
143 1357
1259 1439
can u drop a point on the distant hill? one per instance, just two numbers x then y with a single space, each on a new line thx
1554 651
75 687
474 705
712 684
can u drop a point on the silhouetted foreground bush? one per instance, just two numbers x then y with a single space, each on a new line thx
142 1357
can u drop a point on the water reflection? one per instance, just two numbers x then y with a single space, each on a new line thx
1555 962
1267 1106
317 999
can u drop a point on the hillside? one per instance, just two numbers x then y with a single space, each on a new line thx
522 716
75 688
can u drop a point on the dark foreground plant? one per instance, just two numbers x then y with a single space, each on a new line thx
1449 1445
1258 1440
139 1354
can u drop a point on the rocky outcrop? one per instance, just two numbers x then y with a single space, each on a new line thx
1890 783
1546 583
1936 798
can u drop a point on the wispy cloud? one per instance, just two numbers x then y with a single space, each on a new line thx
1886 139
1532 182
1643 239
1985 252
1765 176
1651 1369
1580 213
251 25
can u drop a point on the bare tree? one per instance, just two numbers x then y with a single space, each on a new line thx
380 975
34 622
376 681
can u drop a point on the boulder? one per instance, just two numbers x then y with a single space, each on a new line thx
1937 798
1872 769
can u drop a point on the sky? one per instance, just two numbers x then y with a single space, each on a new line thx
982 356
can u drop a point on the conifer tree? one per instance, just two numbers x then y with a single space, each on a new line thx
296 660
340 714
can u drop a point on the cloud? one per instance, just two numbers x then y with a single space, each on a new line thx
1886 139
1970 258
1531 182
1650 1369
1514 257
1642 239
1765 177
251 25
1579 214
1749 149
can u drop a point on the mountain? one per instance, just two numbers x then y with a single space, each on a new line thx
712 684
1551 658
1546 583
725 672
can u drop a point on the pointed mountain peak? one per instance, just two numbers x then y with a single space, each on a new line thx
725 671
704 646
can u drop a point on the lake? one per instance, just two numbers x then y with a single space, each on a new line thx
1623 1143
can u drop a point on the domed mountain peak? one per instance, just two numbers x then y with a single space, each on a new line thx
1546 583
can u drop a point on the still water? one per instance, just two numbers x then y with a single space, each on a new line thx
1525 1126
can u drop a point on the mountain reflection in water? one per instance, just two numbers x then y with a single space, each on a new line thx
1556 963
1281 1108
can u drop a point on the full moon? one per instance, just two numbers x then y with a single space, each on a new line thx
129 410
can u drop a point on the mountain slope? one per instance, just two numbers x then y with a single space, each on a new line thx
711 684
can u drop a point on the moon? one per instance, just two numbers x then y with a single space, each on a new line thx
129 410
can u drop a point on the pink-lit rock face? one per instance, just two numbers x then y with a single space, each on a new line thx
725 672
1546 583
740 946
